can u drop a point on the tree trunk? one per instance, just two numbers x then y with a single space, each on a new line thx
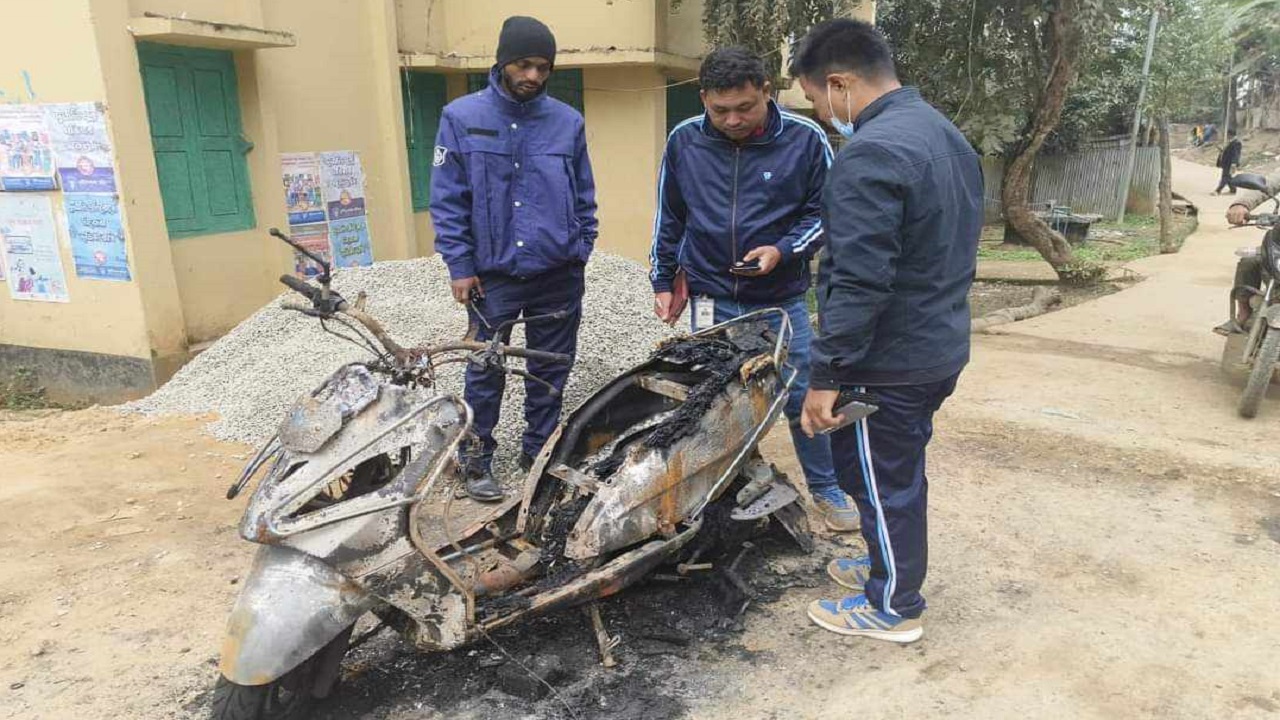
1064 43
1167 242
1233 121
1042 299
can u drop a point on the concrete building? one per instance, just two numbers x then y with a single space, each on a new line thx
202 97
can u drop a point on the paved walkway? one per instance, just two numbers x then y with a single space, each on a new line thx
1140 367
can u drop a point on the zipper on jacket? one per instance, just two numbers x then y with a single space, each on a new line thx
733 216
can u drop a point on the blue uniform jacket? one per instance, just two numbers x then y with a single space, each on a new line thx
511 185
717 199
903 212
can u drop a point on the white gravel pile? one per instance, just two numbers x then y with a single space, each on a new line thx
254 373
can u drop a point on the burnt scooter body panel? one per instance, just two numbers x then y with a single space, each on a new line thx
393 546
656 489
322 567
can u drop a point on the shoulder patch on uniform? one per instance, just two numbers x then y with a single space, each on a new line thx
442 152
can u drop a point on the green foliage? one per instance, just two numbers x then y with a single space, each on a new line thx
1191 50
763 26
984 62
20 391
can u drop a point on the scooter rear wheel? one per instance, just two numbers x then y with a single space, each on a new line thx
291 697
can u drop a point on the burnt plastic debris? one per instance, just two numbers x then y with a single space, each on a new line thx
721 358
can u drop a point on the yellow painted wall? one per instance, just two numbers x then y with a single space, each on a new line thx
103 316
421 25
682 29
626 131
338 89
243 12
470 27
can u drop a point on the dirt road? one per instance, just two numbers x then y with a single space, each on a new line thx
1105 538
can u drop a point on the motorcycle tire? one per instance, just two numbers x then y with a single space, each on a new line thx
291 697
1264 367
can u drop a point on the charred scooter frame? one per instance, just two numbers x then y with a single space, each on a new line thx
357 510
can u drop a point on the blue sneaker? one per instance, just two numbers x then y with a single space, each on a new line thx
852 573
837 511
855 615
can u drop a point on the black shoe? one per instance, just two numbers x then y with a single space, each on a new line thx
482 487
526 462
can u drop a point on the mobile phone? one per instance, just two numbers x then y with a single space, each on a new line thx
854 406
746 267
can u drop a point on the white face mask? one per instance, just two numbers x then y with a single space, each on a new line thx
844 128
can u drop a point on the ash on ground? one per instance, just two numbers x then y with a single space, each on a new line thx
670 634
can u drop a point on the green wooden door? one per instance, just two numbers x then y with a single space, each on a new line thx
424 99
193 110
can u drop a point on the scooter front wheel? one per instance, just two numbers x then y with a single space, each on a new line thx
1264 367
291 697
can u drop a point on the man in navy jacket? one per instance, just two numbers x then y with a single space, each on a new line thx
903 212
743 183
513 204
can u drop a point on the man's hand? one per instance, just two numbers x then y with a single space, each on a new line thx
663 307
769 257
462 288
818 406
1237 214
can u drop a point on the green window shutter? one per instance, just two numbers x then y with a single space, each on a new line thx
424 99
193 109
565 86
683 102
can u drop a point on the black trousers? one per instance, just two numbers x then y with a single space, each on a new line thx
1225 182
880 462
507 298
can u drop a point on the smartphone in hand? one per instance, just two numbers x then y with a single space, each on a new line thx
854 406
746 267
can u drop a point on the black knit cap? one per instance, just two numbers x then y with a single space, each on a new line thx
524 37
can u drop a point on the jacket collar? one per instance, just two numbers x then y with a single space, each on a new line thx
899 96
500 91
772 127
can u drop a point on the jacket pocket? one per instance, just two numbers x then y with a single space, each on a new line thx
490 156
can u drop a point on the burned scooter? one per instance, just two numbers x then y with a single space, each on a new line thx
357 510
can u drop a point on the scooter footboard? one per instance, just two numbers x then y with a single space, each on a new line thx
291 606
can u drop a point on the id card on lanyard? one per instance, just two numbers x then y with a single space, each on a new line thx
704 313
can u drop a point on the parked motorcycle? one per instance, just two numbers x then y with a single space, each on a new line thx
358 510
1261 350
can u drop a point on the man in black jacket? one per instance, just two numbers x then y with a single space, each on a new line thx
903 211
1228 159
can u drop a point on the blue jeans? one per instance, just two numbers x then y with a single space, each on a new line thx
814 453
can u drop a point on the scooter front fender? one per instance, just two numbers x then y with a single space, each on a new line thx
291 606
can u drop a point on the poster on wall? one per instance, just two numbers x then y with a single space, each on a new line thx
97 236
26 155
343 184
324 196
81 147
315 238
350 241
29 244
303 191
